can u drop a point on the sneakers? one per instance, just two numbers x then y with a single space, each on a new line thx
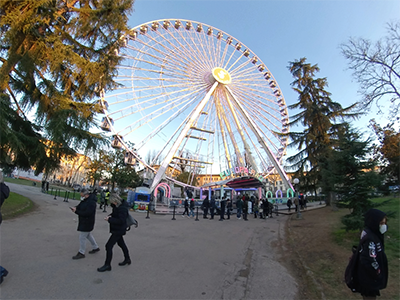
78 256
94 250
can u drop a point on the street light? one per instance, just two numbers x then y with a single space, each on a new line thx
296 182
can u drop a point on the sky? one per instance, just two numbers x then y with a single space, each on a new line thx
283 31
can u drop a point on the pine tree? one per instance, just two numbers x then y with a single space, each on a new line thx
352 176
318 116
56 58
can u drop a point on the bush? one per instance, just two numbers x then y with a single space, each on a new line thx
353 222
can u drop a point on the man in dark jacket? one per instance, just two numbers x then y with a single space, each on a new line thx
205 205
117 221
4 193
86 211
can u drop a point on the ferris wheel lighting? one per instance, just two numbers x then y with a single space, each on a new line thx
166 24
177 24
155 26
133 34
143 29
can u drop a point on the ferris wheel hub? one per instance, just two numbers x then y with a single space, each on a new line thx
221 75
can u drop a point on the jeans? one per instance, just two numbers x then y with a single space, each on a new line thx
191 212
116 239
83 235
239 212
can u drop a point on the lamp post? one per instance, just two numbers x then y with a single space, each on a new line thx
296 183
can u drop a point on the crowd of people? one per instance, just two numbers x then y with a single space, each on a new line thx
245 205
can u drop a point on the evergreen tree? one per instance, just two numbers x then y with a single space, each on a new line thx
352 175
318 116
56 58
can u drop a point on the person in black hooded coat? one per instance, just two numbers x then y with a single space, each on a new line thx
372 271
4 193
117 221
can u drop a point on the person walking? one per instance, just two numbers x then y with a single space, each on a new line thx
86 211
191 207
228 208
372 270
205 205
106 200
102 198
186 206
222 209
117 221
239 207
265 208
4 193
212 207
245 207
289 204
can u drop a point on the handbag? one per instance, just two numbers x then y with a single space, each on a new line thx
131 221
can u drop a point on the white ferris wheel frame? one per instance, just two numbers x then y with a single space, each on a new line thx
215 81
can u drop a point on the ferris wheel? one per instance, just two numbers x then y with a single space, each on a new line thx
198 99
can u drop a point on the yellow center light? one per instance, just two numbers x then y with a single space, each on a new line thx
221 75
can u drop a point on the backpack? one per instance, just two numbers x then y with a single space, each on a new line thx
350 274
131 221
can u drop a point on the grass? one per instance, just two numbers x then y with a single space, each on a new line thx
16 205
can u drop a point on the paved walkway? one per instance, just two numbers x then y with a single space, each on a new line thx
180 259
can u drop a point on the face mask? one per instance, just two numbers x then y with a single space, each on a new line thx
383 228
82 198
113 205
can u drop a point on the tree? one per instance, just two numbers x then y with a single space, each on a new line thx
116 172
352 176
318 116
51 55
388 152
377 67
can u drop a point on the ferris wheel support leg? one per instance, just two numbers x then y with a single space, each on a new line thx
254 128
175 146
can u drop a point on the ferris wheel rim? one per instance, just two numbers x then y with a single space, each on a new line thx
272 78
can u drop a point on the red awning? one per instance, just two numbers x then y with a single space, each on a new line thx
244 183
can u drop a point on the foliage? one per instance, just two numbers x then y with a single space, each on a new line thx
51 55
318 115
388 152
377 67
352 175
110 167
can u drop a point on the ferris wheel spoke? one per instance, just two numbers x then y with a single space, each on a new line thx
179 101
178 60
188 51
150 99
